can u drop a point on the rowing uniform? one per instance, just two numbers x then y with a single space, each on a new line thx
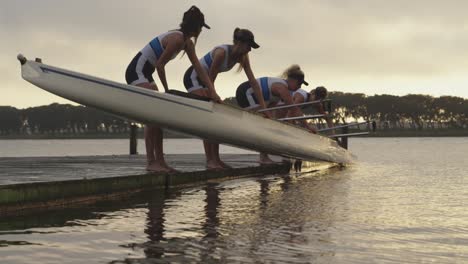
245 95
141 68
193 82
300 91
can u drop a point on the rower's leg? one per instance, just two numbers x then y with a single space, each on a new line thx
153 142
218 158
154 150
149 130
211 160
158 149
207 147
149 143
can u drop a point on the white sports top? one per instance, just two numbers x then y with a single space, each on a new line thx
153 50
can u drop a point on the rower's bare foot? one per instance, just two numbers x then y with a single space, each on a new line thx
172 170
159 167
225 166
212 165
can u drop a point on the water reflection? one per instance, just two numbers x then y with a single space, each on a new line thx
274 218
387 208
209 241
174 248
264 190
212 200
238 221
155 225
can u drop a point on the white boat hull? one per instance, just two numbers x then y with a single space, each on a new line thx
217 122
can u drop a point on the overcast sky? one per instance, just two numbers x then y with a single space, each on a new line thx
368 46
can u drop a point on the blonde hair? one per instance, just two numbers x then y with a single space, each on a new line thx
293 70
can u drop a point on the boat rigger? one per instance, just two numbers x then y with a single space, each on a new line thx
205 119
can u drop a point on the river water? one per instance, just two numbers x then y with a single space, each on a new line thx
404 201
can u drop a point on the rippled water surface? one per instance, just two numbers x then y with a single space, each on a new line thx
405 201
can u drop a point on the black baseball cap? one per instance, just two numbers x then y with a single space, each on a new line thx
300 78
246 36
194 13
205 25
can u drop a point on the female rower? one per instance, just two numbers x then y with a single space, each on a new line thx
319 93
274 90
222 58
154 56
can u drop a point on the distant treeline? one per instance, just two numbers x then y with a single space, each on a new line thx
398 112
59 119
388 111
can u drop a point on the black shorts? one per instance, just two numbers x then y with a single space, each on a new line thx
242 96
140 70
191 80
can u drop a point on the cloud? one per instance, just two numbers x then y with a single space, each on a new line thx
345 44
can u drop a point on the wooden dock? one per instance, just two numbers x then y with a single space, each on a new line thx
39 183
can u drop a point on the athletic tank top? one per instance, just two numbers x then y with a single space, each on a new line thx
266 84
207 60
302 92
154 49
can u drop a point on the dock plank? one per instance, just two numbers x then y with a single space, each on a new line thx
42 183
45 169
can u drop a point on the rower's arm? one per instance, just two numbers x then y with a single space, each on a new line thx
172 48
288 100
298 98
218 59
293 111
327 118
254 84
190 49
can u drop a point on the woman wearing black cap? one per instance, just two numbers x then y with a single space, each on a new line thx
222 58
274 90
154 57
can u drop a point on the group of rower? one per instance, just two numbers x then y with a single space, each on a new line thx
254 94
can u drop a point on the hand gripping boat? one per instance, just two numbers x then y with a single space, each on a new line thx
217 122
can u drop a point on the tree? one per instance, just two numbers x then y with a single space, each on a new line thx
10 120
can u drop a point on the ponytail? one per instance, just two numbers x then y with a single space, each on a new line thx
293 70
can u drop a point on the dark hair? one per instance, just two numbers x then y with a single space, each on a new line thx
237 37
246 36
192 21
320 92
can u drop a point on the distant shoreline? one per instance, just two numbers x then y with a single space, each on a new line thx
125 135
378 133
421 133
414 133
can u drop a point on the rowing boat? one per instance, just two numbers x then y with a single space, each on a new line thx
217 122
